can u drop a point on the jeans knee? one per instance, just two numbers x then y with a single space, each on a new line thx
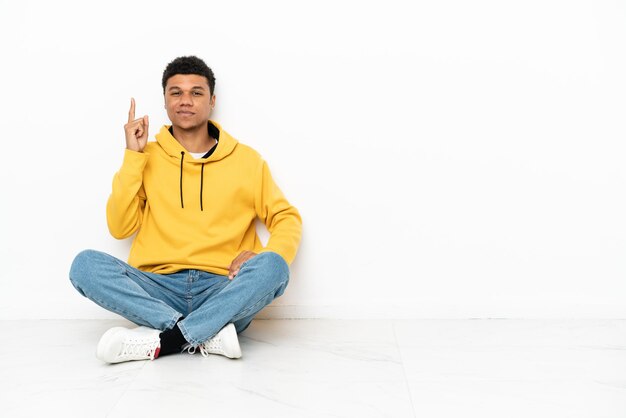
80 269
281 288
276 270
274 261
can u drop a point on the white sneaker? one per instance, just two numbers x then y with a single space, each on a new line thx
224 343
122 344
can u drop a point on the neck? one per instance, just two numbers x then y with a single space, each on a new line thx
194 140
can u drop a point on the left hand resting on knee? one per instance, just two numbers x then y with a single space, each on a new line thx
238 261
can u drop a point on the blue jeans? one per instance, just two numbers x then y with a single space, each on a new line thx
207 301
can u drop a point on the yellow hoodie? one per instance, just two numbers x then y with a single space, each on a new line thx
198 213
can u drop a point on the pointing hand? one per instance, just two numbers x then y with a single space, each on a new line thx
136 130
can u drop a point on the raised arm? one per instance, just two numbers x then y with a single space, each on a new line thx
127 200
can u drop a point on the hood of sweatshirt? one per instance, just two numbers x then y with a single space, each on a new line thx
225 146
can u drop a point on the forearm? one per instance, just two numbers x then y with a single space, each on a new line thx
125 204
285 233
282 220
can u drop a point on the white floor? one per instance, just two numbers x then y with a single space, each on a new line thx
328 368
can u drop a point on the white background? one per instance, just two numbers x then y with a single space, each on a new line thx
450 159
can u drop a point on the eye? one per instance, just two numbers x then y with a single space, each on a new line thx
197 93
175 93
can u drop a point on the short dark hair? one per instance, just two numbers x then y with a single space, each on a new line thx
189 65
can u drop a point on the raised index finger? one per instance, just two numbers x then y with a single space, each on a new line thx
131 112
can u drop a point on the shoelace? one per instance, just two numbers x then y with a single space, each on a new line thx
132 348
214 345
190 349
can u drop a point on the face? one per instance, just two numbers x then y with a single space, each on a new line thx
188 101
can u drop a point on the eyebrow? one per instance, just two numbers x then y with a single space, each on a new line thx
193 88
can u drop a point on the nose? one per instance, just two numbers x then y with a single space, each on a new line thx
186 99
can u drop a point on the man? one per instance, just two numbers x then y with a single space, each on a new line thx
197 272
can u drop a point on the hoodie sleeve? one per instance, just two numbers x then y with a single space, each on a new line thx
282 220
127 201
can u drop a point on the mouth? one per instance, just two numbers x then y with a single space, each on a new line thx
185 113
